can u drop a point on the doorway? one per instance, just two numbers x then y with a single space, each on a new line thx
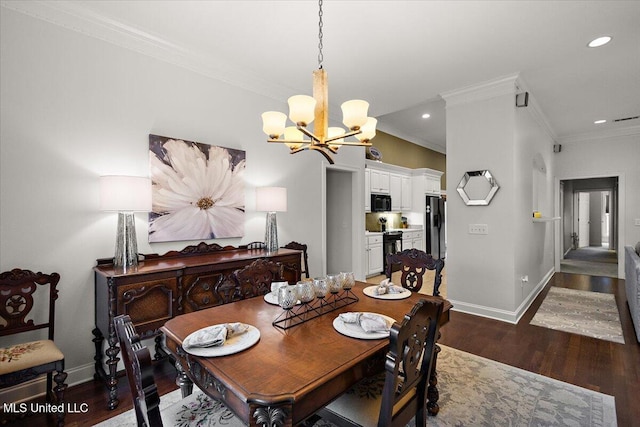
341 222
589 226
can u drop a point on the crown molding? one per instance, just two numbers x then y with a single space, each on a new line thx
73 16
490 89
535 110
410 138
600 135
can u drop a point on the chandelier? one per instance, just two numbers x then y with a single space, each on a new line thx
304 109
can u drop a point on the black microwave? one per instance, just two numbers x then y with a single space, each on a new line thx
380 203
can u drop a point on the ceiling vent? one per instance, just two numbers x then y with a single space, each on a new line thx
626 118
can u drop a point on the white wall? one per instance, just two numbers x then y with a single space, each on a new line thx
486 131
605 157
480 136
534 241
74 108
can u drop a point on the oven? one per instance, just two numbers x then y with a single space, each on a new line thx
391 244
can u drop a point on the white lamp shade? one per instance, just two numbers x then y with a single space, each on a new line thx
368 130
354 113
271 199
125 193
291 133
302 109
273 123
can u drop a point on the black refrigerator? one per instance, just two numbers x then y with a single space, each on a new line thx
434 228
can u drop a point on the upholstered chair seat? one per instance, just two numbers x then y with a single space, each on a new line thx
28 355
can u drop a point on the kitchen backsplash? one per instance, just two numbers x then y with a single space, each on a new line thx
372 223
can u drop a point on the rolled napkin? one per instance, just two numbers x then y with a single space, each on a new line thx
394 289
216 336
369 322
387 287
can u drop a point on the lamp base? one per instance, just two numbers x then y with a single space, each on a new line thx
126 257
271 233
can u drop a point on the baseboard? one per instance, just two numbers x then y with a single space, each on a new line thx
503 315
35 388
534 294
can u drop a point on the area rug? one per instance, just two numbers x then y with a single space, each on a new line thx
589 268
592 314
475 391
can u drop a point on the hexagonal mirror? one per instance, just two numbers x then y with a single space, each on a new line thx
477 188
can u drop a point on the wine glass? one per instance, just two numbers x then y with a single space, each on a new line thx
347 280
333 283
305 291
320 287
287 297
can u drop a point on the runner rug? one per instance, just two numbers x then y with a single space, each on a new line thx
579 312
475 391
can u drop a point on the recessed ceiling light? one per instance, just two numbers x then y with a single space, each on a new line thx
600 41
426 115
599 122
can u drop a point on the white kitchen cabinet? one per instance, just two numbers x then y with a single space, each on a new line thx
412 239
407 197
367 190
374 256
417 240
432 184
395 190
425 182
379 181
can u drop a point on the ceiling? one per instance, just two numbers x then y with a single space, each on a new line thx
401 56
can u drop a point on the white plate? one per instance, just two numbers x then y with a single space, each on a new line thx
371 292
354 330
272 298
231 346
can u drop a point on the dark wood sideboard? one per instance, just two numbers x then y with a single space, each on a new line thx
165 286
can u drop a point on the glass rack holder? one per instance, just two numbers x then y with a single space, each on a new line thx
304 312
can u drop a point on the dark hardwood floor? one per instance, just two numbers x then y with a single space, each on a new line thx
603 366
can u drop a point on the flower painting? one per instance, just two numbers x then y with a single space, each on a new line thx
198 190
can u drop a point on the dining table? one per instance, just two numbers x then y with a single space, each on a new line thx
285 375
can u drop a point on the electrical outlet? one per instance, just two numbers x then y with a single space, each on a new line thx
637 222
478 229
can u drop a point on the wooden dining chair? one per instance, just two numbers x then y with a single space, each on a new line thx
21 291
305 258
398 395
413 265
255 279
196 409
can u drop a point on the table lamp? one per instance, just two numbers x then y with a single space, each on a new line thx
125 195
271 200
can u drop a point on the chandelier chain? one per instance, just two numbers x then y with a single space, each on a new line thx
320 24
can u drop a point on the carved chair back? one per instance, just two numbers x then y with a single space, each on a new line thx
409 364
414 263
255 279
16 300
22 296
305 259
139 368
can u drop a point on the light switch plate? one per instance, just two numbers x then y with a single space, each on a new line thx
637 222
478 229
